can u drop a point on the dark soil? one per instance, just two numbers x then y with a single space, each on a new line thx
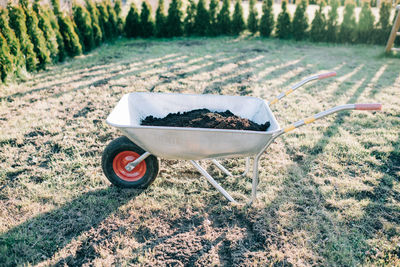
204 118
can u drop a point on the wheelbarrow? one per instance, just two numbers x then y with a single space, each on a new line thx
131 161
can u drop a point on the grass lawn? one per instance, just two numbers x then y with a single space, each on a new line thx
329 192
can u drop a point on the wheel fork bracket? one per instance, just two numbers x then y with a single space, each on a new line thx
131 165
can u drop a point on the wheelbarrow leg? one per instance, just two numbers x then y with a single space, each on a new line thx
227 172
255 170
247 167
222 168
255 179
212 181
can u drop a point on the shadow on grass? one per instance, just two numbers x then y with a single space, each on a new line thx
41 237
336 240
107 70
115 75
395 55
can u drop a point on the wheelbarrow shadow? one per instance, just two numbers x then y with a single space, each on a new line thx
41 237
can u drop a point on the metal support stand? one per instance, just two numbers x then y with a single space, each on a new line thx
222 190
254 179
222 168
227 172
255 170
254 183
212 181
246 171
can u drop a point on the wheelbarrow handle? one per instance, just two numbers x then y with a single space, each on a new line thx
375 106
299 84
297 124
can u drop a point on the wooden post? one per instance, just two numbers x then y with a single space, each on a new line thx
394 33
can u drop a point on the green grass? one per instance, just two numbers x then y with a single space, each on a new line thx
328 194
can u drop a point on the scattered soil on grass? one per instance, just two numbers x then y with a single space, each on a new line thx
100 82
204 118
84 111
256 50
190 43
140 44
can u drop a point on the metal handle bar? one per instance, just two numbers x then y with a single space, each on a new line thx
301 123
297 124
297 85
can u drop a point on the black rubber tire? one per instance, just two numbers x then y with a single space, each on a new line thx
124 144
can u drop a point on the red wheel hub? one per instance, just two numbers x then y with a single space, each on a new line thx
122 159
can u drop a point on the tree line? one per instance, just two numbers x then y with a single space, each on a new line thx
200 20
33 35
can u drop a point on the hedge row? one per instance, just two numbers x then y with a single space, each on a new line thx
359 3
199 20
35 35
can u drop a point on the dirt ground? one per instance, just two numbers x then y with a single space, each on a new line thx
328 193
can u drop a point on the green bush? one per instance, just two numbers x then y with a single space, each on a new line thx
118 10
12 40
94 15
347 33
238 24
383 27
332 22
283 26
174 19
17 23
202 19
56 7
318 25
213 23
45 27
161 20
60 41
105 25
224 19
118 7
146 21
71 40
384 14
300 21
132 24
365 26
84 27
190 17
36 36
267 19
6 59
112 20
252 19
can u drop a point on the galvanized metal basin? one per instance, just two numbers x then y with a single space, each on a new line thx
192 143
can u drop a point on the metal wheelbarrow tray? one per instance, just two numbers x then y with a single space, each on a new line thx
192 143
133 163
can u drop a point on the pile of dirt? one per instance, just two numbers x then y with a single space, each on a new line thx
204 118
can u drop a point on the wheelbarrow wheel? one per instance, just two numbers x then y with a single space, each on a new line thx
118 154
